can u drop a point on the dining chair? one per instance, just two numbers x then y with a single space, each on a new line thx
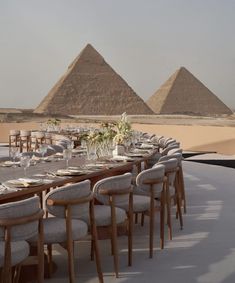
172 191
115 211
14 138
151 183
180 177
19 221
24 140
175 150
67 205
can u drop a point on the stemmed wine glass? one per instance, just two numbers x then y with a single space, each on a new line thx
14 152
67 155
25 162
70 145
43 149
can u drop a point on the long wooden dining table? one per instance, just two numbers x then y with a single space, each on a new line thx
44 171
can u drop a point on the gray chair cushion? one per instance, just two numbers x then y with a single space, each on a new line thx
55 230
19 251
70 192
113 183
19 209
103 215
170 164
153 160
141 203
154 173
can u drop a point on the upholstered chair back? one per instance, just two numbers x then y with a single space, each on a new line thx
19 209
155 173
70 192
170 168
113 183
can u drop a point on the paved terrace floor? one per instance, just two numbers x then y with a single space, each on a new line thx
204 252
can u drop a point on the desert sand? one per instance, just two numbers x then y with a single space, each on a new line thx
193 137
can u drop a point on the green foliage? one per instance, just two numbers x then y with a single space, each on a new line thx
53 122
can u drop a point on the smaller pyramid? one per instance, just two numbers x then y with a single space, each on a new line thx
91 87
183 93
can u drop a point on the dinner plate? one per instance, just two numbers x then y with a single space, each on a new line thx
122 158
69 172
10 164
135 154
24 182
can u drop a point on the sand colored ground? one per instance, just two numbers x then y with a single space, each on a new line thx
194 137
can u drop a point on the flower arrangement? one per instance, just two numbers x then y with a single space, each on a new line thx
124 131
109 134
53 122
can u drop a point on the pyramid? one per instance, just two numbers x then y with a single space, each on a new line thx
183 93
91 87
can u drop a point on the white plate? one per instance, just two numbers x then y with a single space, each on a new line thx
24 182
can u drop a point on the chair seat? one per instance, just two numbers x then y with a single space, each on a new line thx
103 215
140 192
55 230
141 203
19 251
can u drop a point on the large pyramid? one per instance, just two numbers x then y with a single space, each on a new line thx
91 87
182 93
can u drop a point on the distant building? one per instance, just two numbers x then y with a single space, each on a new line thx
91 87
182 93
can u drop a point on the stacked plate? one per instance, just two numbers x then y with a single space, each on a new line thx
24 183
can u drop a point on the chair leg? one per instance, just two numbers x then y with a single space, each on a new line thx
142 219
162 220
7 269
179 212
130 235
40 252
182 188
151 227
136 218
69 243
49 256
92 250
97 254
114 239
94 243
168 205
17 274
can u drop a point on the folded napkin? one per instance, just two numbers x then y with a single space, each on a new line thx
25 182
10 163
69 172
122 158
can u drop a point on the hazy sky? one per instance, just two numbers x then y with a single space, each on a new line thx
144 41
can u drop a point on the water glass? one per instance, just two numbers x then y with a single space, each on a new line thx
43 149
14 152
70 145
25 162
67 155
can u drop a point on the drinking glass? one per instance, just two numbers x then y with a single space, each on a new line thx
67 155
14 152
43 149
25 162
70 145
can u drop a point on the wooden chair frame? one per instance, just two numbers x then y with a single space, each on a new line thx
175 197
69 243
153 209
112 194
8 223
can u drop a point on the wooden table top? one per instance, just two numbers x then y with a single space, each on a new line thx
7 173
